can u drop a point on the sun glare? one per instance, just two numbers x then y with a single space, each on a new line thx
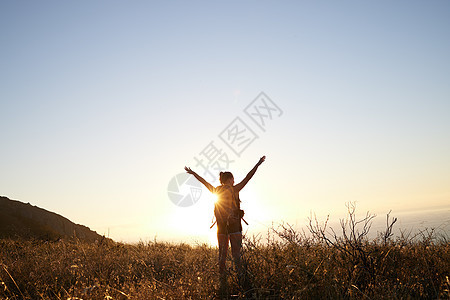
215 198
194 223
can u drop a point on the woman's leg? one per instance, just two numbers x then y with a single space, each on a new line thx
236 244
222 240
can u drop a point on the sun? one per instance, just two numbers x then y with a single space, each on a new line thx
193 224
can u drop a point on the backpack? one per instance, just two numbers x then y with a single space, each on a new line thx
224 211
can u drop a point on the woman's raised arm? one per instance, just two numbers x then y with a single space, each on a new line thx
250 174
199 178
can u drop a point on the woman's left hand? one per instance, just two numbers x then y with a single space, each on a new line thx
189 171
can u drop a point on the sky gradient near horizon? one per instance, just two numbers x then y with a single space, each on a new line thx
103 102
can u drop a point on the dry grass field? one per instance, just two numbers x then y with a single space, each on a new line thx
285 264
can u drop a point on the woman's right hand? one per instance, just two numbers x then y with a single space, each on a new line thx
261 160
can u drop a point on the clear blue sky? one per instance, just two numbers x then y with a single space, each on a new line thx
103 102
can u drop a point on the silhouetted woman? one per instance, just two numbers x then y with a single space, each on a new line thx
228 213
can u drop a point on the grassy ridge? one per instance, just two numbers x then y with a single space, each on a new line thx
287 265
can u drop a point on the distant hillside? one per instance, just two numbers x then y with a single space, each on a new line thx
20 220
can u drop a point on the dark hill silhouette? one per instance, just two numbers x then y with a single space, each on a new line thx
20 220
